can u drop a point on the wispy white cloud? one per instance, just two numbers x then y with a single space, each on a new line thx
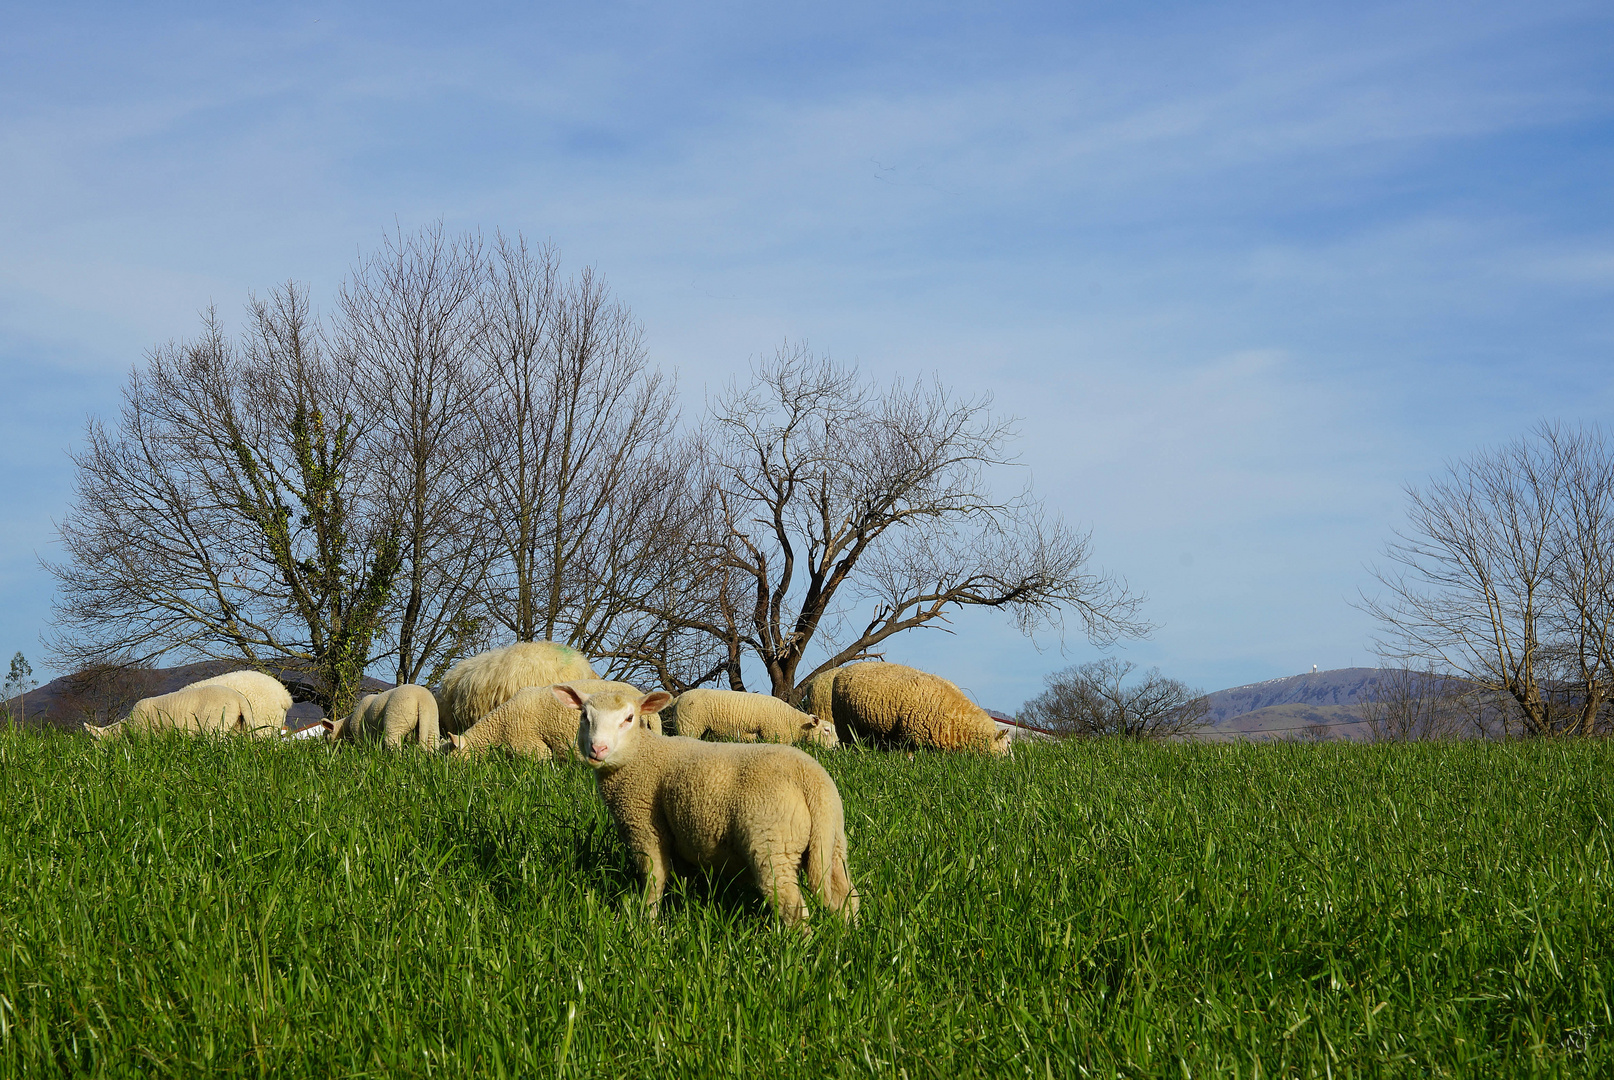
1242 273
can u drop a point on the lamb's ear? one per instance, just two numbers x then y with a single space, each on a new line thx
568 696
655 702
456 742
809 723
93 730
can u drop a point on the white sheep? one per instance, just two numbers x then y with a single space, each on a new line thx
266 695
479 684
771 810
736 716
534 724
893 705
197 708
818 699
391 716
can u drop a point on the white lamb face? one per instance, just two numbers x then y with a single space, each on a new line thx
820 733
609 721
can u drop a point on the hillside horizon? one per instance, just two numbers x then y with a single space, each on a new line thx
1269 708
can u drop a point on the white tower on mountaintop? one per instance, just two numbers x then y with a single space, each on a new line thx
1314 669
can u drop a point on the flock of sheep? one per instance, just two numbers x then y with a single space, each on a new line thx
727 792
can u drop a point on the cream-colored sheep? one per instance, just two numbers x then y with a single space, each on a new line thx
197 708
390 717
818 699
736 716
479 684
893 705
534 724
769 810
266 695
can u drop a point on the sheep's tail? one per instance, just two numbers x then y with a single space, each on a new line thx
827 873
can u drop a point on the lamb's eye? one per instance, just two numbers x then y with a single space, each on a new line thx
627 721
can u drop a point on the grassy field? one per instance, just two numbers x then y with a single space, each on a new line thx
183 907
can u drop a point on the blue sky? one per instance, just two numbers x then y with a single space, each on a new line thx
1243 270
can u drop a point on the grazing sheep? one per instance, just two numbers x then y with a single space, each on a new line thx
736 716
479 684
892 705
817 699
771 810
390 717
534 724
197 708
264 693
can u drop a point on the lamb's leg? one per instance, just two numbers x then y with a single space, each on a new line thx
652 850
775 872
840 895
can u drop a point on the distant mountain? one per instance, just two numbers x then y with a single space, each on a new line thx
1340 722
1284 708
1342 686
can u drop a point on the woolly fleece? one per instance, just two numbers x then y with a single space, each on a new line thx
267 696
195 709
534 724
818 700
391 716
479 684
736 716
769 810
893 705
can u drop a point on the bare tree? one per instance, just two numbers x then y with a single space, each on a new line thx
587 487
410 330
1096 699
1407 705
228 514
1504 579
103 692
834 495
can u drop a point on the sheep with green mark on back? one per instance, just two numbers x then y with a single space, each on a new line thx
479 684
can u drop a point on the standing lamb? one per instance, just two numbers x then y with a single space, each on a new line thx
771 810
534 724
736 716
892 705
391 716
265 693
479 684
195 709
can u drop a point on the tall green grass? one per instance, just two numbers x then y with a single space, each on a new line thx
185 906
